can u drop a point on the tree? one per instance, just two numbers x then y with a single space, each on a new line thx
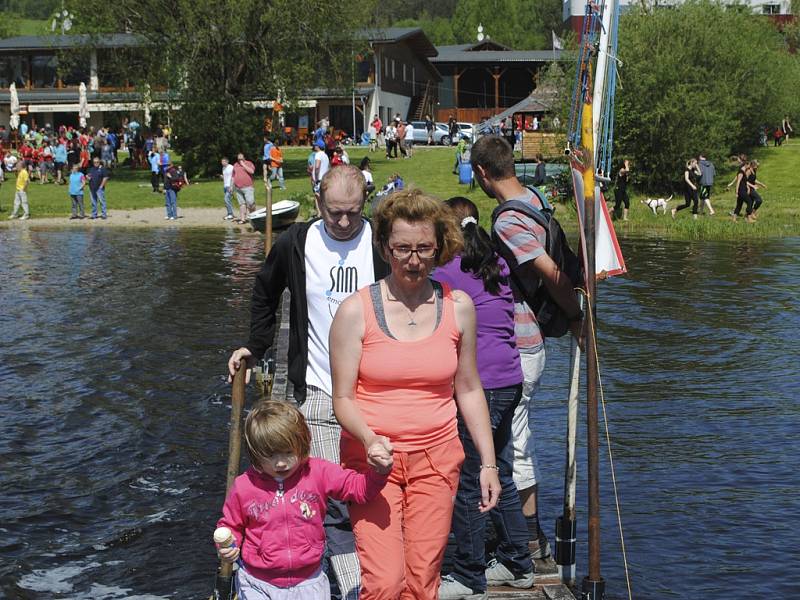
697 78
215 60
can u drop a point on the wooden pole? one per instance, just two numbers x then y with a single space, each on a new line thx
566 524
593 586
268 217
222 587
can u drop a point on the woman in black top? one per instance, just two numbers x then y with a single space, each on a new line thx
743 193
752 185
691 182
621 190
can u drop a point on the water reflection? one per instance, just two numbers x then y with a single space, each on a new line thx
114 412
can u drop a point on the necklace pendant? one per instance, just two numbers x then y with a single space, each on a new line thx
412 323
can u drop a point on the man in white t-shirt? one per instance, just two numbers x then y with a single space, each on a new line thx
409 139
321 166
321 262
227 186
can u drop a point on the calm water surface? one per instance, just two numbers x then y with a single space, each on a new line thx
114 414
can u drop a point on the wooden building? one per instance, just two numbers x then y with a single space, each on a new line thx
482 79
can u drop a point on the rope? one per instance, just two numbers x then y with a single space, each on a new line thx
608 442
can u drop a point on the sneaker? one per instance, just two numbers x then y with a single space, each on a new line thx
23 217
498 574
227 218
12 217
172 218
73 217
166 218
104 217
451 589
540 548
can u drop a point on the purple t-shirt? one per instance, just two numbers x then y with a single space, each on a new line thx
498 357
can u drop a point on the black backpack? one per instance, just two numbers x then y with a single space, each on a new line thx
552 320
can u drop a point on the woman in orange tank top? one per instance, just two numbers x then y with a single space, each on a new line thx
403 361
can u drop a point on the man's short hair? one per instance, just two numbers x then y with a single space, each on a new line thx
495 155
347 176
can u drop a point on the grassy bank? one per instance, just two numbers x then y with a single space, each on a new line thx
431 169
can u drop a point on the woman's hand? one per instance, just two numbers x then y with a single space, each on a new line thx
379 455
228 555
490 489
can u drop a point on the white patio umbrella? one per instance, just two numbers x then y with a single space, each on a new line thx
83 105
147 116
14 120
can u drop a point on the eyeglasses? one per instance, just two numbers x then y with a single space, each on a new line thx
404 252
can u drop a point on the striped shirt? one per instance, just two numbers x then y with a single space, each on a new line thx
525 240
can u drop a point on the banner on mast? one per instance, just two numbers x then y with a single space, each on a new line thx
608 259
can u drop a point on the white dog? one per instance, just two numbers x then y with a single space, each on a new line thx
655 203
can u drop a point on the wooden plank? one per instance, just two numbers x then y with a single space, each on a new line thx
555 591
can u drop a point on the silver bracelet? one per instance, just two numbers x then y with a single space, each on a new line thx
495 467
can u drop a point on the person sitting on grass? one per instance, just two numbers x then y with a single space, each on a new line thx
276 508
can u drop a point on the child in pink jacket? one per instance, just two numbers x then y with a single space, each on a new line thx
276 508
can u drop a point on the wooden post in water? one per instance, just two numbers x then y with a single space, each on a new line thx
593 586
268 217
222 586
264 374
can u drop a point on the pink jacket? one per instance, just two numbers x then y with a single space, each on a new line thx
278 525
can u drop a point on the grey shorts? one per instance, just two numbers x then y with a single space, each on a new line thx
245 195
315 587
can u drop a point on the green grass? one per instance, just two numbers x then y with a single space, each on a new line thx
431 170
24 26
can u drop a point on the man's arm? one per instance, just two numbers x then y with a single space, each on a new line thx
267 291
249 167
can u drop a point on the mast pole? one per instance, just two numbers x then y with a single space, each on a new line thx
593 586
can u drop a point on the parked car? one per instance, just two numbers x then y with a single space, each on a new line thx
440 133
557 177
467 129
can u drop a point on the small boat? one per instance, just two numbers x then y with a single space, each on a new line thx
284 213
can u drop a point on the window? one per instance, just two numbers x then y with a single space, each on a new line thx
393 76
771 9
13 69
44 71
405 75
385 67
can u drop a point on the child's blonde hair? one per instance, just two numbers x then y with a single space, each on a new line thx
274 427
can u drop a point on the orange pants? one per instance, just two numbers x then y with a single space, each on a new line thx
401 535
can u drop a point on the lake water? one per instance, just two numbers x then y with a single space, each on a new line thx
114 414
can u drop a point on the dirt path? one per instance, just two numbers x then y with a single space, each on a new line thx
144 217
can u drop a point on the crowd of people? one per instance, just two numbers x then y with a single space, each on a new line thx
82 158
427 397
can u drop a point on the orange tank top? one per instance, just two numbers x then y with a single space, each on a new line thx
405 388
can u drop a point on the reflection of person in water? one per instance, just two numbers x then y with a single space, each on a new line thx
307 259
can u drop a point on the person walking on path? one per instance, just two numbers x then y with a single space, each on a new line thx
276 166
404 364
707 174
98 178
21 193
174 181
321 164
390 138
155 170
77 182
484 276
691 194
243 172
621 196
321 262
521 241
276 508
227 187
266 160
